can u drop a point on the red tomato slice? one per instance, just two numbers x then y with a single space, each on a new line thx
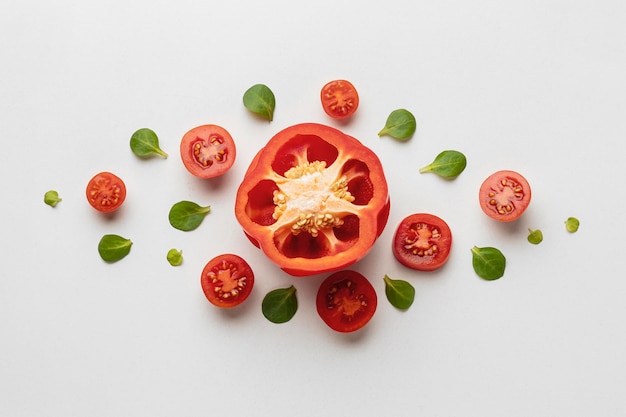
106 192
504 195
339 99
227 280
346 301
207 151
422 242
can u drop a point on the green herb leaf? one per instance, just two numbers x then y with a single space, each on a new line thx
187 215
535 236
259 99
399 293
145 142
572 224
51 198
448 164
175 257
280 305
400 125
112 248
489 263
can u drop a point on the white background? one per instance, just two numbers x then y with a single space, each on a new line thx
534 86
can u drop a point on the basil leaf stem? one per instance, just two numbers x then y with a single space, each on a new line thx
52 198
187 215
112 248
400 125
489 263
259 99
448 164
144 142
399 293
280 305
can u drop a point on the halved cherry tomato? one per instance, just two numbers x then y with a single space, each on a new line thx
106 192
346 301
207 151
422 242
504 195
339 99
227 280
313 199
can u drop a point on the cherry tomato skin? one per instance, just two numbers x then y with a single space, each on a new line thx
504 195
227 280
422 242
106 192
346 301
340 99
208 151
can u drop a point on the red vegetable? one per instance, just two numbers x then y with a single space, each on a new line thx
346 301
339 99
106 192
227 280
207 151
504 195
313 199
422 242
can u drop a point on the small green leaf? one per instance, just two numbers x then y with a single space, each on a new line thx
145 142
399 293
489 263
260 99
175 257
572 224
51 198
280 305
112 248
535 236
448 164
187 215
400 125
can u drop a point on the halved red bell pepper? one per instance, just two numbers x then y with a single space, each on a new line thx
313 199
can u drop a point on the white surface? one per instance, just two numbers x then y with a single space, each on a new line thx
533 86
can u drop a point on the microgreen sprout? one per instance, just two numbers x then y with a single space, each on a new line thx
52 198
572 224
175 257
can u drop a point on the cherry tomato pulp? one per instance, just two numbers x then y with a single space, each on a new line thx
504 195
227 280
346 301
207 151
339 99
106 192
422 242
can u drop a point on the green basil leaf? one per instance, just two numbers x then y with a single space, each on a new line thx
489 263
399 293
572 224
144 142
51 198
187 215
448 164
399 125
260 99
112 248
535 236
280 305
175 257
